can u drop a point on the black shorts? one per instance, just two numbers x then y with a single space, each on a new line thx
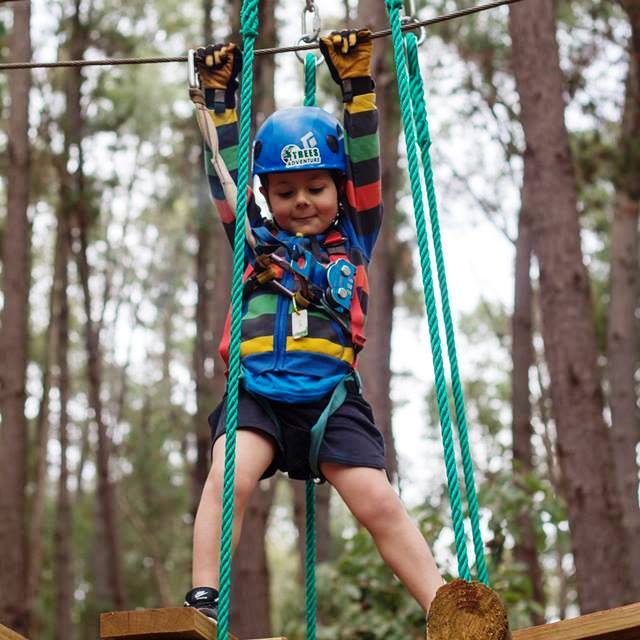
351 436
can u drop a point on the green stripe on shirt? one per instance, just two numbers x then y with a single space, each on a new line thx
230 157
260 305
363 147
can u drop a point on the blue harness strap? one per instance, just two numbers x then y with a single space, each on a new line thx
317 431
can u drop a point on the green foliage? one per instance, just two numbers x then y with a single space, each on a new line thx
359 599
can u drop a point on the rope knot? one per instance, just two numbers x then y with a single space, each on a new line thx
249 20
393 5
249 31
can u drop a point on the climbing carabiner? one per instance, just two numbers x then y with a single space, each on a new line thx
307 36
404 20
194 78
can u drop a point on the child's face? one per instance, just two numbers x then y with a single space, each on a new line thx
303 202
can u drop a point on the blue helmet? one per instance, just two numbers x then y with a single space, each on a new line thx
299 138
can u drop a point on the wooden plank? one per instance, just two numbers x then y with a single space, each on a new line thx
9 634
178 623
622 623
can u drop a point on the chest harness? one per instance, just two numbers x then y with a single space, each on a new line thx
329 286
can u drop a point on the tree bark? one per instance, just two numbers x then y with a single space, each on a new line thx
64 529
375 362
622 338
250 584
584 449
36 513
79 215
14 336
525 551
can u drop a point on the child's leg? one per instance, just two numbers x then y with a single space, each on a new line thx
254 453
374 503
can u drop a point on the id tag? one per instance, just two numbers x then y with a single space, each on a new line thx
299 324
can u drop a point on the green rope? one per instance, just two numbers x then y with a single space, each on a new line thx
424 141
310 520
393 7
310 80
310 560
249 32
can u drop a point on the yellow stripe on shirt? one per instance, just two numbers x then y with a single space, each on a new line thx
364 102
323 346
228 116
263 344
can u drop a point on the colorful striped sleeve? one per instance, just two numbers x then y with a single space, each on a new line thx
363 187
226 124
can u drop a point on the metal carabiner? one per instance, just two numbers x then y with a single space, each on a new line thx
309 37
316 24
194 78
404 20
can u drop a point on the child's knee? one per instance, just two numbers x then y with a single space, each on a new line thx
243 486
379 508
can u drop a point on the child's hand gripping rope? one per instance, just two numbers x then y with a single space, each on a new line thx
218 67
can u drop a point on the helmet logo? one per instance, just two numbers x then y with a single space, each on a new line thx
293 156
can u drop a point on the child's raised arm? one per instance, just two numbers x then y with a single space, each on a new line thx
218 67
348 56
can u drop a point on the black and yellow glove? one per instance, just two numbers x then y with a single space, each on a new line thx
218 66
348 56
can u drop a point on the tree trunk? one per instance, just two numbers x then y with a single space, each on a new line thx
250 590
64 528
622 339
80 216
14 336
36 512
375 362
584 450
525 551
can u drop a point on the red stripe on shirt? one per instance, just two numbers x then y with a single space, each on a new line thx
227 214
365 197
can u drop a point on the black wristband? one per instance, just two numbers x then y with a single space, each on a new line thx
221 99
352 87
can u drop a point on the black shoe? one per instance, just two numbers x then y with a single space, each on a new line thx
205 600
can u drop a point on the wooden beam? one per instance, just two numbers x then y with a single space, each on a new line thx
622 623
8 634
179 623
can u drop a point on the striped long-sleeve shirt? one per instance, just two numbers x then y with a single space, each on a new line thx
275 363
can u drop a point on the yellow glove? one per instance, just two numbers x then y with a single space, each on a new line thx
218 67
348 53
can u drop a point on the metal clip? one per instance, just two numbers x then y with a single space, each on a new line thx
307 36
194 78
404 20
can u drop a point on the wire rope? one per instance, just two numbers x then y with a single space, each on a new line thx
6 66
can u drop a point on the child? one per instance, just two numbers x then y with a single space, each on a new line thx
304 304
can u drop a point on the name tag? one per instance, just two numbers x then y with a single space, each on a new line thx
299 324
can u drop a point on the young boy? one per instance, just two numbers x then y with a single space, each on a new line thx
304 305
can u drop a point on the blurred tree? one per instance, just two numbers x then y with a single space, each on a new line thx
583 446
80 213
16 248
622 332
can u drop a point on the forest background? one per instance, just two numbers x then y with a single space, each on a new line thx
115 281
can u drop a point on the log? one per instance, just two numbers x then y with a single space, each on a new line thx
467 611
9 634
622 623
178 623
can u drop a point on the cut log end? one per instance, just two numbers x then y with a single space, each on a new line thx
467 611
